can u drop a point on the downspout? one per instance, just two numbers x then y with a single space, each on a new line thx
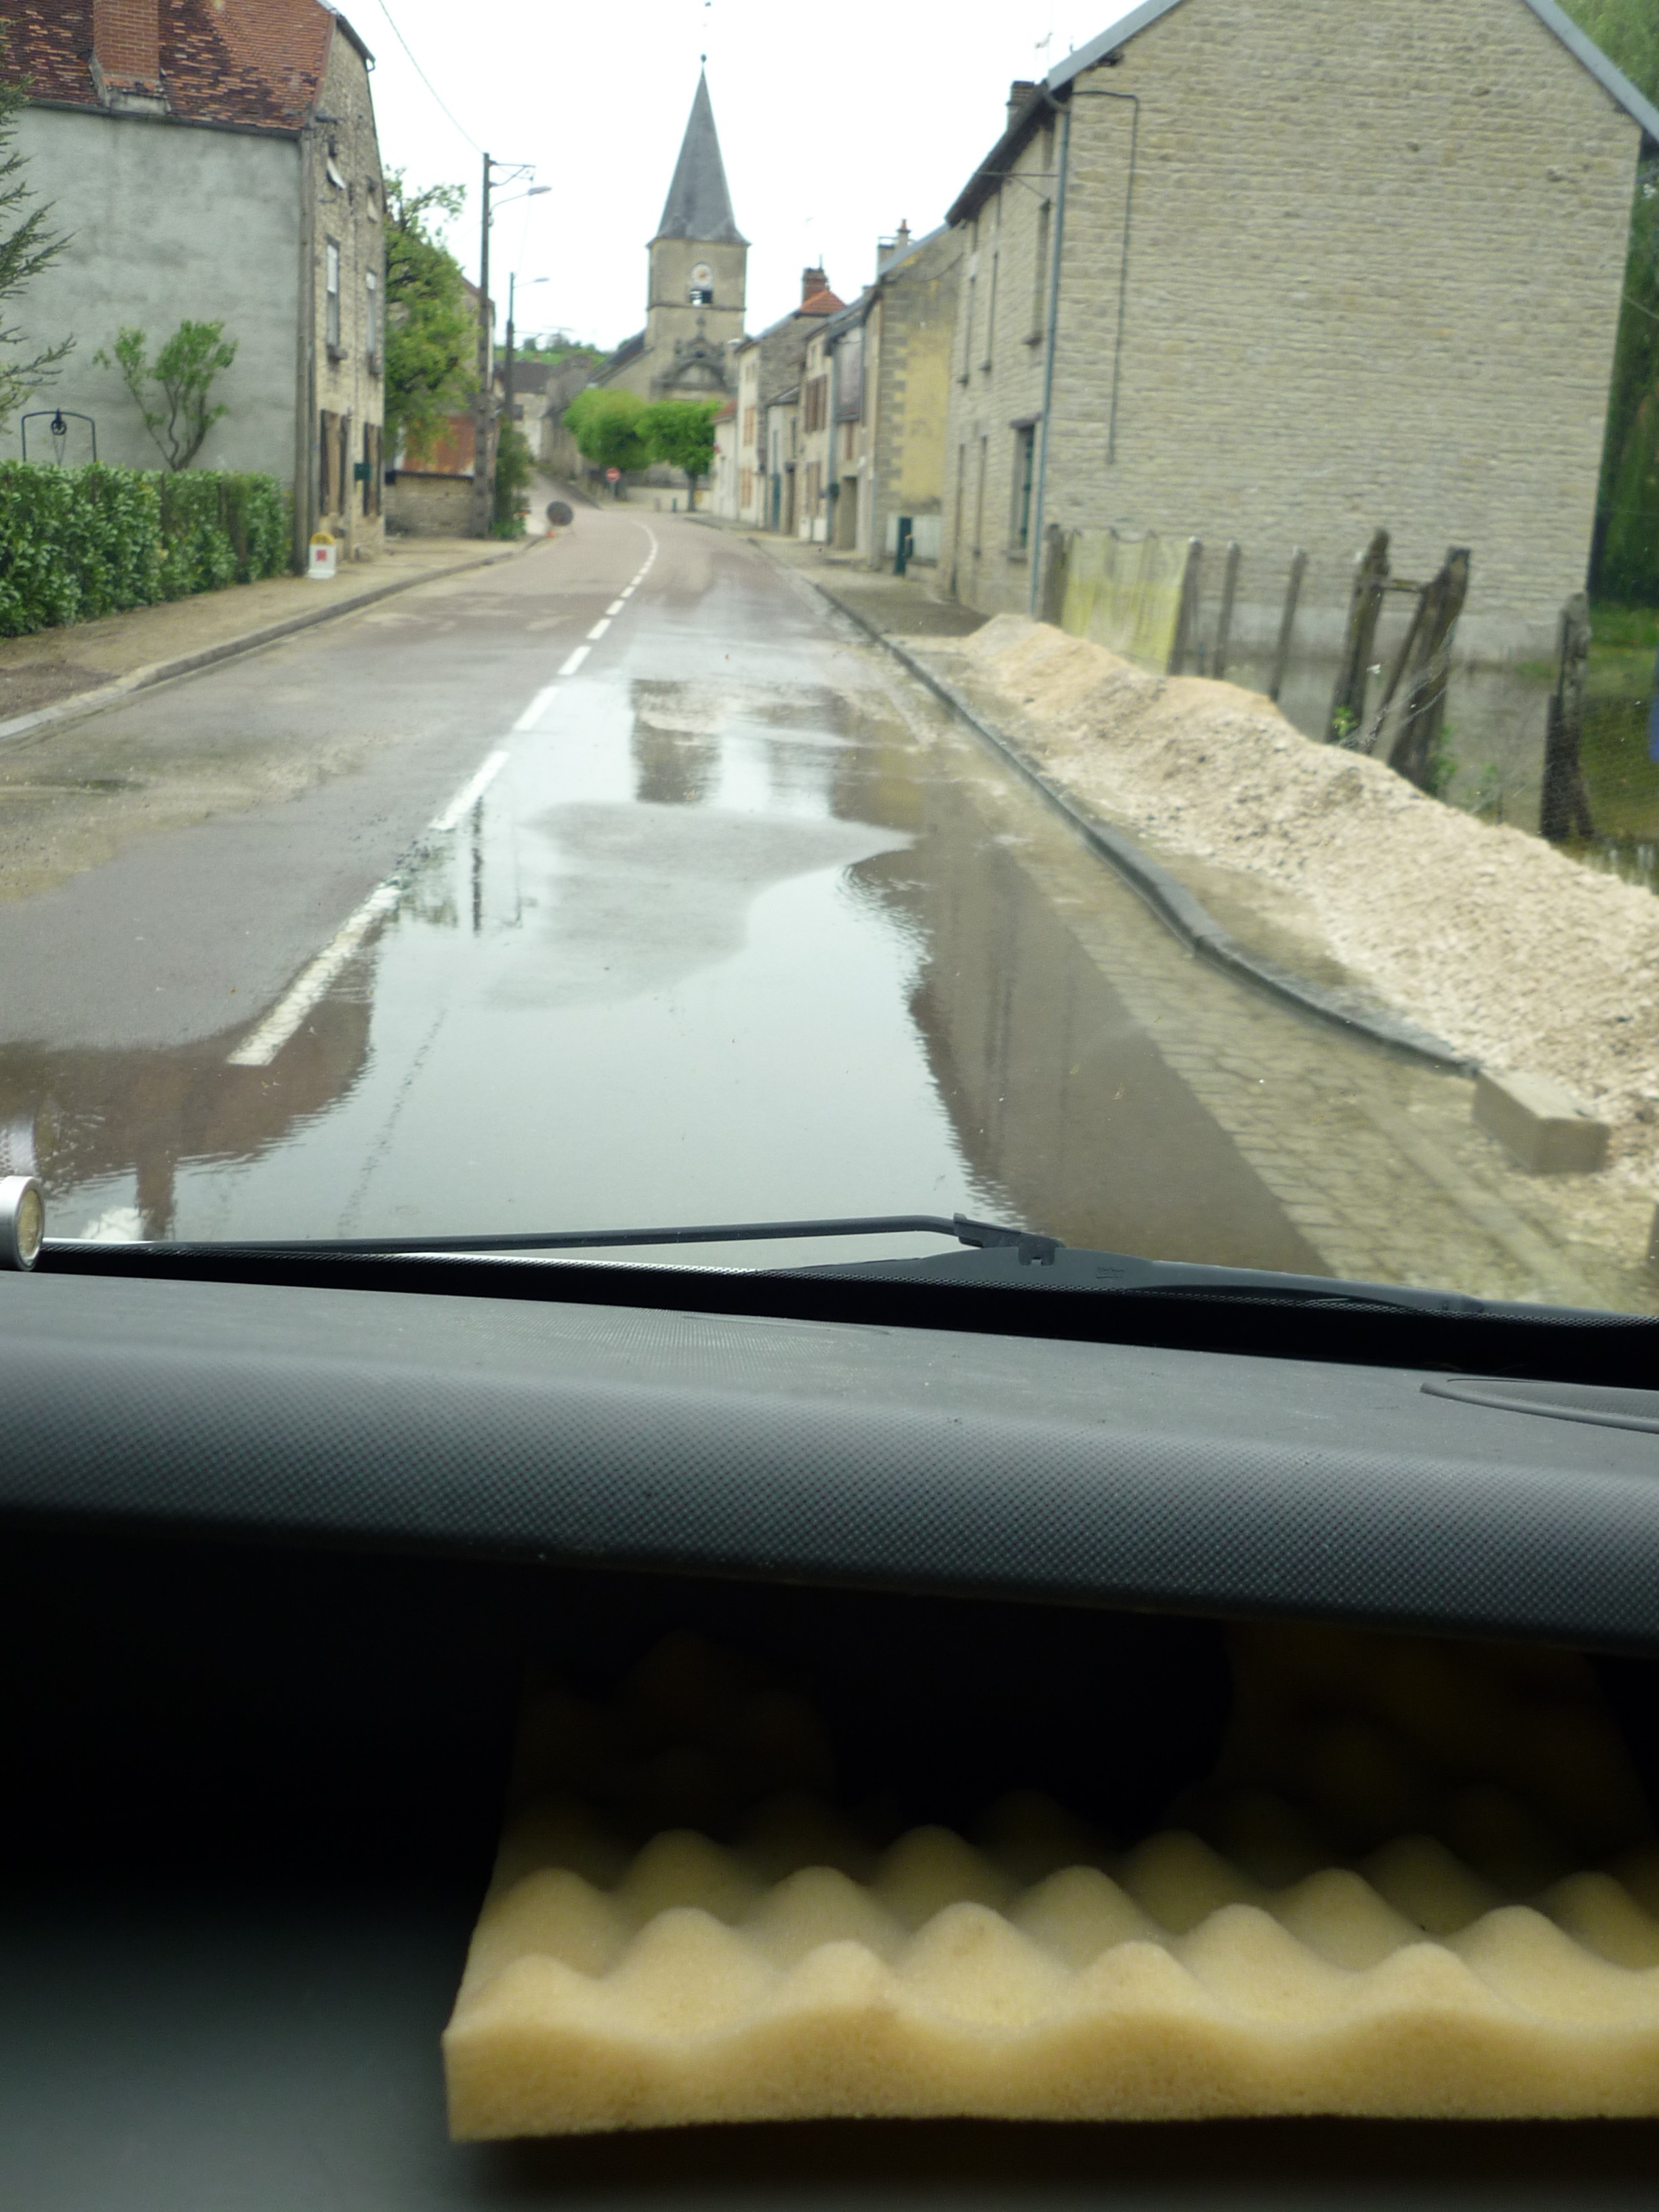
1048 351
831 481
1084 92
305 429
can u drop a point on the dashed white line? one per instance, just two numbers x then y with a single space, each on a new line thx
261 1047
533 713
470 793
286 1015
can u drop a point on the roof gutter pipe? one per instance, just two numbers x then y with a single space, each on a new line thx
1037 558
1082 92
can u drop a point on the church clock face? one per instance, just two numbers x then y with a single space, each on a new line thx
700 286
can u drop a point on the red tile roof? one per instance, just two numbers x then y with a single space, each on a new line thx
251 61
821 303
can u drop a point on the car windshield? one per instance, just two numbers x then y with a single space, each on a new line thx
1040 612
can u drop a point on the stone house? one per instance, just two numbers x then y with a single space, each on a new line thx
767 365
722 489
876 404
147 120
1243 271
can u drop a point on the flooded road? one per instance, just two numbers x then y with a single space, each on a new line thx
627 885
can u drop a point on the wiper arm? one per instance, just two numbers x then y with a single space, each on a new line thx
1000 1255
1032 1250
1075 1268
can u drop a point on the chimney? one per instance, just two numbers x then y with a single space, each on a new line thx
812 281
1021 93
888 250
126 39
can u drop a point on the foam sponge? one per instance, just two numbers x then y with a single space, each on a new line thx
1419 1885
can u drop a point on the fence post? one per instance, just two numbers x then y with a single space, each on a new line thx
1223 626
1423 714
1565 811
1287 621
1053 601
1370 581
1187 613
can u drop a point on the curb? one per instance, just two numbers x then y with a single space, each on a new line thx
83 703
1183 915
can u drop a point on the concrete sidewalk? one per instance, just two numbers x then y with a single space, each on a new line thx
56 673
896 606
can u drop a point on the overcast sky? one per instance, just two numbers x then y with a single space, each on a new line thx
836 123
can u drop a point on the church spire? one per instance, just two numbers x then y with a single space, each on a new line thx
698 205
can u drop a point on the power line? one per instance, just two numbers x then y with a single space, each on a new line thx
425 80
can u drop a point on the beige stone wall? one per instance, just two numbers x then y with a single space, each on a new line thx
813 462
422 506
913 331
1374 272
346 379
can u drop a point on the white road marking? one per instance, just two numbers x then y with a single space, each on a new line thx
286 1015
614 607
259 1049
532 713
471 792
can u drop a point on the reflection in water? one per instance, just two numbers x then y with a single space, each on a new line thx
541 961
1056 1093
675 746
81 1117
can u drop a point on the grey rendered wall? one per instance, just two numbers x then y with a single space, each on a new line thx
169 220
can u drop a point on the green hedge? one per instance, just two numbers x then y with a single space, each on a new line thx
79 543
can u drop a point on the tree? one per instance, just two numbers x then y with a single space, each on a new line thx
432 330
187 368
681 433
514 470
1626 565
607 428
24 250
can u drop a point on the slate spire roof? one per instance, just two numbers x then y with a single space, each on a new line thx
698 205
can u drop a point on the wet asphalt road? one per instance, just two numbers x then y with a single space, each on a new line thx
622 885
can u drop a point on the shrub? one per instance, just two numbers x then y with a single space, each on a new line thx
75 544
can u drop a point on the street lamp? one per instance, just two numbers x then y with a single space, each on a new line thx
482 488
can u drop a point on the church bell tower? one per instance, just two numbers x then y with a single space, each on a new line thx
699 263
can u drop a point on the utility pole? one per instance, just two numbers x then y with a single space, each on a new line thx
483 487
511 298
484 459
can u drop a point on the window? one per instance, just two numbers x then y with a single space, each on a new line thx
991 313
1024 475
332 296
817 408
372 319
968 326
979 504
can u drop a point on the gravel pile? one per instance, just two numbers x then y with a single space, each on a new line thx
1510 950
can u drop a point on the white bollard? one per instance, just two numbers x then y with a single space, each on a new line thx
324 556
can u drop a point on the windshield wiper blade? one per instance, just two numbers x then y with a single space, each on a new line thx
1076 1267
1032 1250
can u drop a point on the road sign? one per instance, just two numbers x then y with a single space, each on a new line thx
613 475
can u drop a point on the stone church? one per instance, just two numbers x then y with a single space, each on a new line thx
698 264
